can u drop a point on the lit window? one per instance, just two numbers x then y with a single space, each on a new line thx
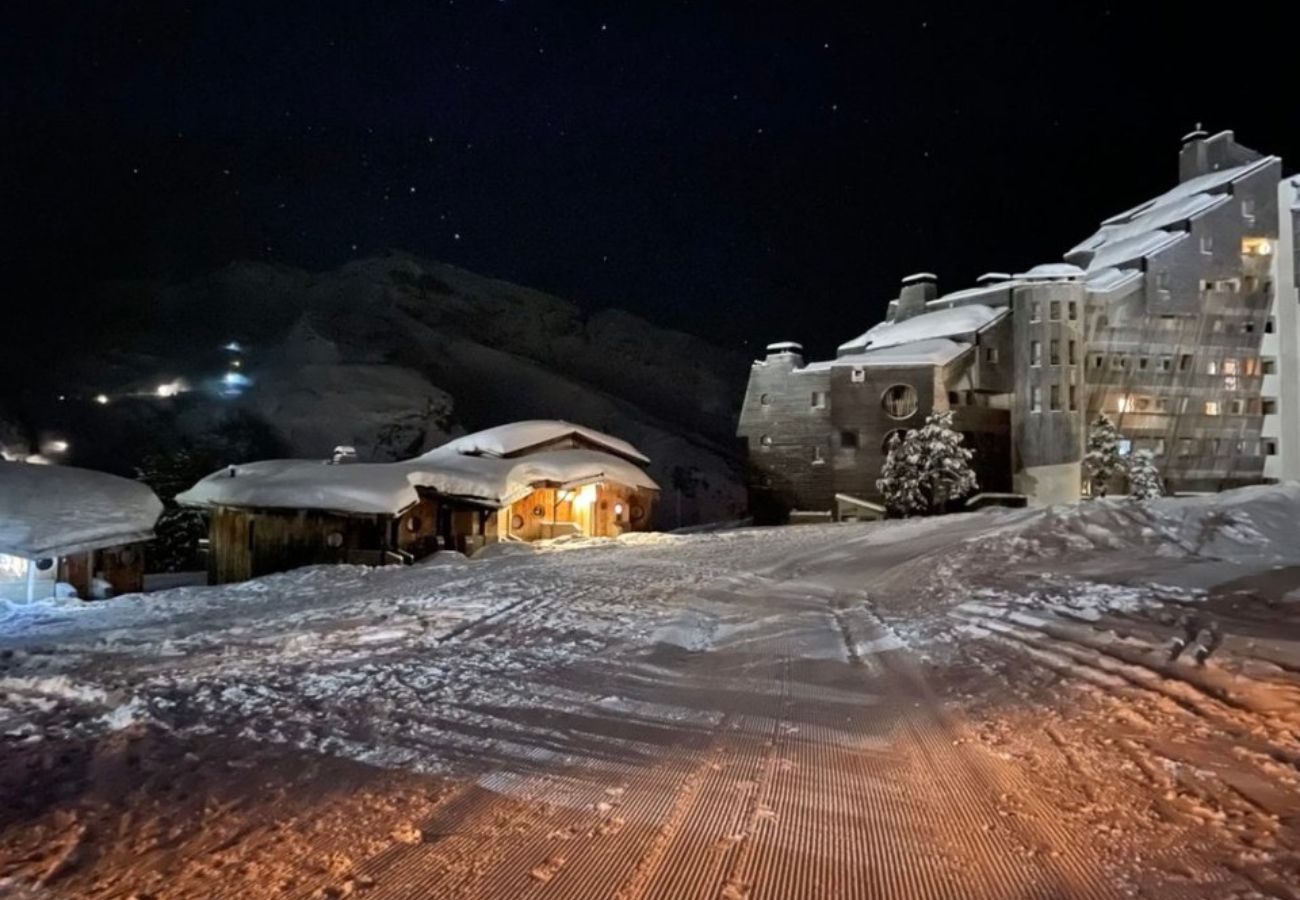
1125 447
1211 407
1212 368
1035 353
1256 246
1159 448
1123 403
1230 366
1035 399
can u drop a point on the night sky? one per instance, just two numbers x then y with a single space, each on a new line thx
748 172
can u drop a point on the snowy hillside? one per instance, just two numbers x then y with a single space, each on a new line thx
393 355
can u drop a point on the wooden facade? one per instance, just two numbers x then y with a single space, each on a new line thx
122 567
247 542
595 510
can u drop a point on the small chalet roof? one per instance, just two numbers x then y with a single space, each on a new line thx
519 437
939 323
470 468
48 511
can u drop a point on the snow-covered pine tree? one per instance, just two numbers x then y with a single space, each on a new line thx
926 468
1102 462
1143 477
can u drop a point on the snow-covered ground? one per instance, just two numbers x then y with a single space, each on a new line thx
982 705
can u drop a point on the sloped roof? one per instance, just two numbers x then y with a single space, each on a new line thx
939 323
519 437
57 510
470 468
1210 182
1134 248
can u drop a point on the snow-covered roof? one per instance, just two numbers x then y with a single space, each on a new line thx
1105 281
920 276
1210 182
1153 220
519 437
992 277
988 289
48 511
471 467
939 323
1050 271
784 347
1134 248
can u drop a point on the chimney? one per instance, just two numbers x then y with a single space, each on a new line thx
786 353
1203 153
917 290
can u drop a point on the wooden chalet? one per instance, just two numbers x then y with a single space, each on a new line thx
518 482
70 526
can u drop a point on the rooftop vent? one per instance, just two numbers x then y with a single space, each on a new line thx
993 278
920 277
785 347
343 454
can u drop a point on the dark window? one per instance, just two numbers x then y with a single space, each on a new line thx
1268 407
991 354
1054 352
765 440
764 400
1268 325
899 401
1073 359
849 440
1074 397
1054 397
954 399
1074 310
1184 362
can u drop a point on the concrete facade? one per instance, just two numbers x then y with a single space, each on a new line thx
1178 319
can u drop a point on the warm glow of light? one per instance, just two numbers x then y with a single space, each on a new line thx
585 496
101 399
1124 403
618 509
55 447
1256 246
171 388
237 363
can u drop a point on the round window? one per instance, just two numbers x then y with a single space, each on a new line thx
766 440
764 399
897 432
899 401
334 539
539 511
414 523
516 522
44 565
637 513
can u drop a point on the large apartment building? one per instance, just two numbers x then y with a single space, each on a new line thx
1178 319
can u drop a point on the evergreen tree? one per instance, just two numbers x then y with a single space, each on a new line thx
1144 481
927 468
1103 461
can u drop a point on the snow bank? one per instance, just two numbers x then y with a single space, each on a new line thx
48 511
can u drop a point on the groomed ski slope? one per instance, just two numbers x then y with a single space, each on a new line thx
975 706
